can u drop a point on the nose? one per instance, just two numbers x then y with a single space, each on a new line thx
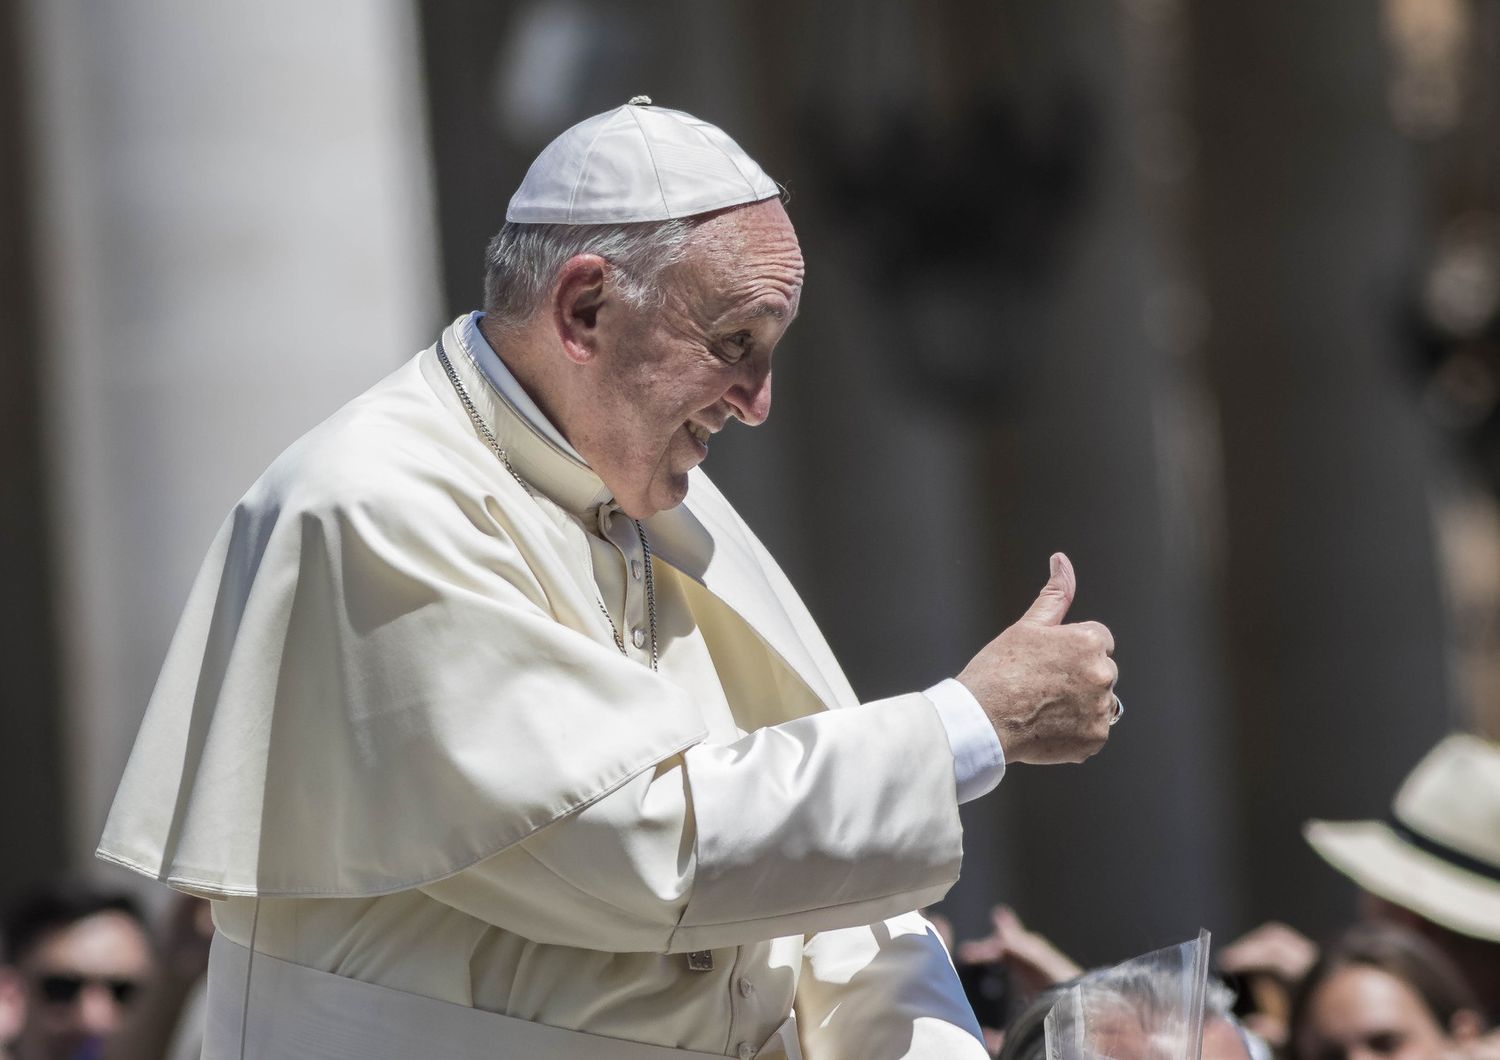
750 397
97 1011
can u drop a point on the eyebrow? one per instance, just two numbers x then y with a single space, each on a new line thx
772 310
758 311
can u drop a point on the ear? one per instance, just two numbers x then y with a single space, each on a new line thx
576 299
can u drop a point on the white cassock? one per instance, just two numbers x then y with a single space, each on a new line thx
396 742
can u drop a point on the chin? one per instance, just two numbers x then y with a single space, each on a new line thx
659 497
668 494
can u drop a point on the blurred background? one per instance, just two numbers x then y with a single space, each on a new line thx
1205 294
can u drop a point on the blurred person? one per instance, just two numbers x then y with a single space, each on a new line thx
1264 966
1223 1038
1432 866
167 1021
486 696
1381 991
81 957
1035 973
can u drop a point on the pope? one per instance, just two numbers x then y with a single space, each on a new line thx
491 729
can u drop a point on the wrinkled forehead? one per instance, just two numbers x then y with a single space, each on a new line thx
746 255
758 226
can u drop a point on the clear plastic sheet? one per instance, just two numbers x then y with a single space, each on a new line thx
1148 1008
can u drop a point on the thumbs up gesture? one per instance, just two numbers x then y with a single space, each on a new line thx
1047 686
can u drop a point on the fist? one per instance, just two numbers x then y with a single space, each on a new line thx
1047 687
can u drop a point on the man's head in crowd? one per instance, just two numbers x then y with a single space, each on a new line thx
1381 993
1123 1034
80 957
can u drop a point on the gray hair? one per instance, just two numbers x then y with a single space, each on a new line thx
1151 991
522 261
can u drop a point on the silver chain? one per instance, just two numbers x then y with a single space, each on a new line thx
495 447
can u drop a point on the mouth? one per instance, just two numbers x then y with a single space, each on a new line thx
700 433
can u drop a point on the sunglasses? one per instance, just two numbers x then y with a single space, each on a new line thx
64 989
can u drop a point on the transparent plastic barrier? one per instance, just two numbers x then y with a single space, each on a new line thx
1148 1008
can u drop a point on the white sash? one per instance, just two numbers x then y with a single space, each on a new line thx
291 1012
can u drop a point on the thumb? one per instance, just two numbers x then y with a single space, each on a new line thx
1056 596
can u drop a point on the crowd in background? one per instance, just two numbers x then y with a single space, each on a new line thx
1417 977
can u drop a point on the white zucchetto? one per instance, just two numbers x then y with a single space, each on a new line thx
637 163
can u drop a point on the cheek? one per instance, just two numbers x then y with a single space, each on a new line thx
677 398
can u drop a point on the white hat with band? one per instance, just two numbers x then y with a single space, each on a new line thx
1439 854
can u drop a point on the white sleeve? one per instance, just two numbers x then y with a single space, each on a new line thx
883 991
978 758
834 820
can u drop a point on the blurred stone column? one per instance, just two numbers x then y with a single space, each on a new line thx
29 727
1106 451
235 236
1309 220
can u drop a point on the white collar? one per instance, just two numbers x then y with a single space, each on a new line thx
503 380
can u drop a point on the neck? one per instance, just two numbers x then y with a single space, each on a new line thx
514 347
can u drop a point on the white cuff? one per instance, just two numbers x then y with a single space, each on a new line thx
978 758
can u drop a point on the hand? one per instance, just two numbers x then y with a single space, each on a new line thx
1272 949
1048 688
1033 961
1270 960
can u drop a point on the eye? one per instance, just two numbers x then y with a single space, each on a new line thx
1386 1043
737 345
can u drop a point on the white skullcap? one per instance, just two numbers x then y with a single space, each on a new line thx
637 163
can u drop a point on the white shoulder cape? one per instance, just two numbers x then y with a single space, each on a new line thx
392 664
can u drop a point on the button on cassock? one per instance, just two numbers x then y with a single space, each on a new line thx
638 637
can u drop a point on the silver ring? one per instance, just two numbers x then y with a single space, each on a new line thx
1119 711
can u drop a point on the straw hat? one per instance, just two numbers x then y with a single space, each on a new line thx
1439 854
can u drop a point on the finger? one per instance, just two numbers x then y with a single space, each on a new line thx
1056 597
979 951
1101 634
1005 920
1030 951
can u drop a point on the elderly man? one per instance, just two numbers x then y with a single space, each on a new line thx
493 731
